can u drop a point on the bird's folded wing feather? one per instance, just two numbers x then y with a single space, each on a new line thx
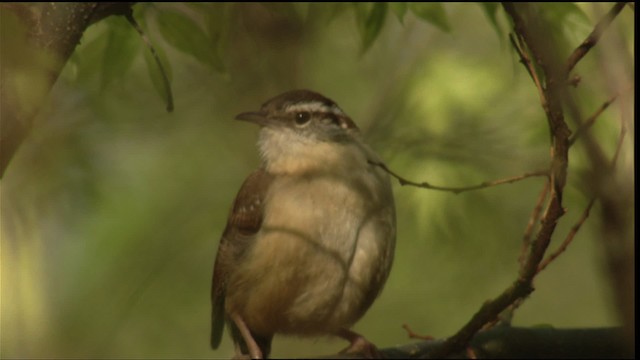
244 222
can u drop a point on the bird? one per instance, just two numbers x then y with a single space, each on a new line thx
310 238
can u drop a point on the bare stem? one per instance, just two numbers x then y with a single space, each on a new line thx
591 120
534 32
413 335
456 190
593 37
520 46
533 220
585 214
569 238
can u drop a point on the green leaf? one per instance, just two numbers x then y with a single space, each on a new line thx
185 35
122 46
160 73
491 10
370 21
433 13
400 9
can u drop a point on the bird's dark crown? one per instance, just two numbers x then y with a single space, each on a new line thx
288 98
303 100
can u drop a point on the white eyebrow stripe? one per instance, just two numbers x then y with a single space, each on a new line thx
336 110
314 106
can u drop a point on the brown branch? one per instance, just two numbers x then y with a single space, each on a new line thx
456 190
506 316
505 342
615 195
44 36
574 81
524 59
616 154
413 335
585 214
572 233
593 37
533 31
591 120
533 220
528 65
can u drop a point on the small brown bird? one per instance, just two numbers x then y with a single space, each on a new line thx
310 238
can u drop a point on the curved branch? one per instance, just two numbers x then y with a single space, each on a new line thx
572 233
593 37
534 32
43 37
515 342
591 120
456 190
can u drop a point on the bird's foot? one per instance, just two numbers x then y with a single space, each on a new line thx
254 350
359 345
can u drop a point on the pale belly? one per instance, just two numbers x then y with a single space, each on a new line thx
319 260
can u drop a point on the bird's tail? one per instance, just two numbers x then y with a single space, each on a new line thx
217 323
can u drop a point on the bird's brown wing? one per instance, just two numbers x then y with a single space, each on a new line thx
244 222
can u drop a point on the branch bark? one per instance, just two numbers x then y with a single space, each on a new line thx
505 342
533 31
37 40
457 190
593 37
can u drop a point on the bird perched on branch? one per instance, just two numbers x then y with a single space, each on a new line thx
310 238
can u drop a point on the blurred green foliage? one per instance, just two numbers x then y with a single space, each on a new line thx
112 209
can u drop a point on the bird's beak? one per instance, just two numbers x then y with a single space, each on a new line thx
256 117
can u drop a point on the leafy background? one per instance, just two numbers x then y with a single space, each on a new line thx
112 210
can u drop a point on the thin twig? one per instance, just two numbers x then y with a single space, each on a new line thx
524 60
413 335
616 154
532 30
533 220
591 120
593 38
585 214
574 81
574 230
508 342
457 190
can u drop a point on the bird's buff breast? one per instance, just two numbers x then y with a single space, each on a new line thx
321 255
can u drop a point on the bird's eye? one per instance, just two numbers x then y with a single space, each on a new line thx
303 117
